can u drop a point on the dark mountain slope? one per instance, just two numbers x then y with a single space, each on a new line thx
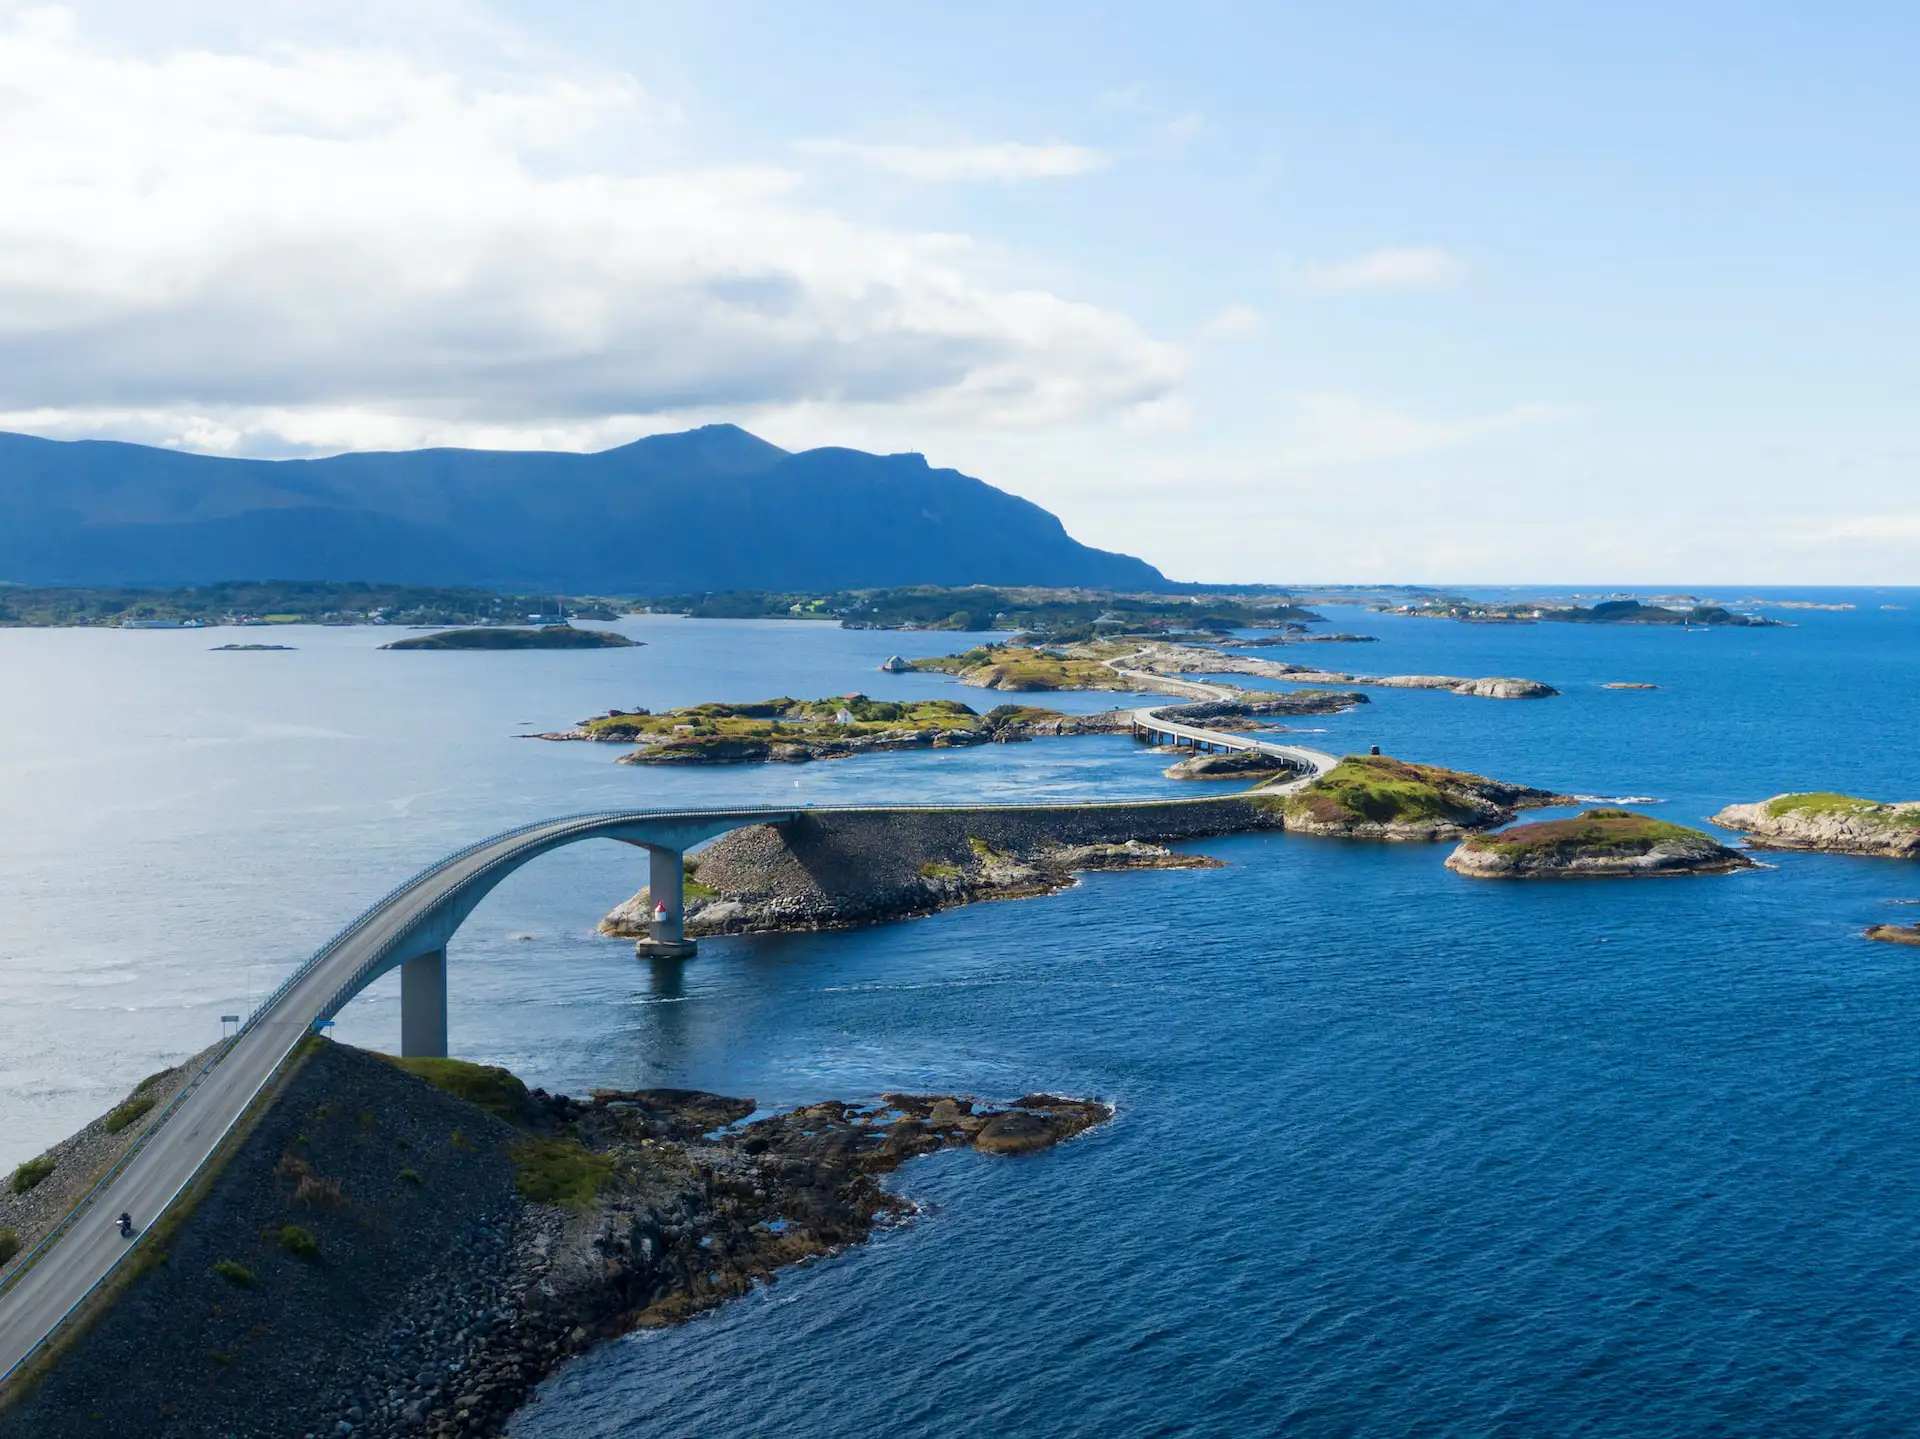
713 508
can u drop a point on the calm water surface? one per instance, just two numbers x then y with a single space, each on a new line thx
1397 1153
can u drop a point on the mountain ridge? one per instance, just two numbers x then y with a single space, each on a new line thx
711 508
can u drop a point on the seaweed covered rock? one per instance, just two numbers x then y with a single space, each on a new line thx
1597 842
1379 797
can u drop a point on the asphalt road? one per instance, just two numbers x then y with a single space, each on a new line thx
185 1136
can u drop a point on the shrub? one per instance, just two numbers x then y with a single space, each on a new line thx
299 1242
409 1176
559 1171
318 1193
133 1109
498 1091
31 1173
234 1273
9 1244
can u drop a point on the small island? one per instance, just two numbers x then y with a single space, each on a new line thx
502 637
1595 843
1157 666
1379 797
244 649
784 730
1835 823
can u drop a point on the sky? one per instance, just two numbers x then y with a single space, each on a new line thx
1619 294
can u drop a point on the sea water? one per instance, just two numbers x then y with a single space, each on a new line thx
1396 1152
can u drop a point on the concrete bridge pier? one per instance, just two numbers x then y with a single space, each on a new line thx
666 885
423 1006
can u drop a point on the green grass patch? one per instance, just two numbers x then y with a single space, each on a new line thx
136 1108
559 1171
1596 832
235 1273
32 1173
1012 667
1380 789
496 1090
938 869
781 718
299 1242
1844 806
9 1244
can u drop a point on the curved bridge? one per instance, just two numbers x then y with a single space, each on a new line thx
408 930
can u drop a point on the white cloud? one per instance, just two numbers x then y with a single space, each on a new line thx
1235 322
324 248
1008 162
1330 429
1408 268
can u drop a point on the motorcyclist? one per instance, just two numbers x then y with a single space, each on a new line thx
126 1223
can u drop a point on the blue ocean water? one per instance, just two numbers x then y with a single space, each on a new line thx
1396 1152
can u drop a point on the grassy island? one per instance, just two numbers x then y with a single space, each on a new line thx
787 729
1013 667
1822 820
547 637
1379 797
1595 842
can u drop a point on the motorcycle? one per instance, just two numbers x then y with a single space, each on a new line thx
126 1226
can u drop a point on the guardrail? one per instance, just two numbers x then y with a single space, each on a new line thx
568 824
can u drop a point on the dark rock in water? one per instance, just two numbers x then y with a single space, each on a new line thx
222 649
1895 933
548 637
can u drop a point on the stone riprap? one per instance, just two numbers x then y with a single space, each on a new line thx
436 1291
830 869
78 1161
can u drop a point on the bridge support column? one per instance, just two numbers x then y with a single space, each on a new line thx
423 1006
666 886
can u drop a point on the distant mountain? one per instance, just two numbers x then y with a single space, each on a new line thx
710 509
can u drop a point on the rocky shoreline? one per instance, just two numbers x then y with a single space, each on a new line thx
831 870
1833 823
389 1257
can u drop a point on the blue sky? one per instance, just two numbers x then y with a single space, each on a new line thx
1262 292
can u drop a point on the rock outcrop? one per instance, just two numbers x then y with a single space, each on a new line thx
391 1254
1837 823
826 870
1379 797
1235 764
1596 843
1895 933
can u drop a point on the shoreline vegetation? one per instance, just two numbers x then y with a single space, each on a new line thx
409 1246
1057 615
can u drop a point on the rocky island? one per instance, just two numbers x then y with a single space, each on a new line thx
1156 666
1836 823
406 1247
1379 797
790 731
1595 843
506 637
